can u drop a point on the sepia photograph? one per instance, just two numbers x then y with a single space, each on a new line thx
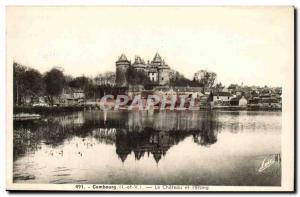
150 99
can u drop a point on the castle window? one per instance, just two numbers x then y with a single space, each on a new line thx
162 78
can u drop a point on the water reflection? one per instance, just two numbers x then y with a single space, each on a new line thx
136 132
87 147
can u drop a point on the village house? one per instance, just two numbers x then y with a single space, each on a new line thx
265 98
240 101
71 96
194 92
221 98
39 101
204 100
269 101
163 91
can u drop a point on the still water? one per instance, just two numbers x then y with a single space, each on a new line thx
199 148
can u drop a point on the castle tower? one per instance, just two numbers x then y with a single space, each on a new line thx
139 64
157 61
163 75
122 66
163 70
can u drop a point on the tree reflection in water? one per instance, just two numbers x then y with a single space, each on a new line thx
141 133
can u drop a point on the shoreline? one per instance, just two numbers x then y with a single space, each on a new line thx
70 109
46 110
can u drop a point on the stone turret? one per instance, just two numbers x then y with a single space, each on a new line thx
139 64
163 70
122 66
157 61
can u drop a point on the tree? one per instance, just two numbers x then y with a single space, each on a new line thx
107 78
54 82
137 77
27 83
33 83
18 86
219 87
206 79
79 82
233 86
173 75
68 79
176 79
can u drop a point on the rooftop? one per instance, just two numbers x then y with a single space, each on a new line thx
123 57
221 94
157 58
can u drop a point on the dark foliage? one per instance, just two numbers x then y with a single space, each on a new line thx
137 77
80 82
54 81
27 83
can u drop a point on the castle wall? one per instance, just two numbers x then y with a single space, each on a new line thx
121 78
163 77
153 76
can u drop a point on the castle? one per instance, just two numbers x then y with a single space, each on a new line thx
157 70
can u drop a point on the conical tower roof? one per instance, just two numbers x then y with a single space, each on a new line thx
157 58
123 156
138 60
157 156
123 57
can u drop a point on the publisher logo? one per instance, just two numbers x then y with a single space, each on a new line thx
269 161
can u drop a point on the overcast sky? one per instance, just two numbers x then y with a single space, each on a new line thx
250 45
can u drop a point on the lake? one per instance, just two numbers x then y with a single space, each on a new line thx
145 147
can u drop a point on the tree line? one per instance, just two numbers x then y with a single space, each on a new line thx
29 83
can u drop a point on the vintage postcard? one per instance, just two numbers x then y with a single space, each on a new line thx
180 99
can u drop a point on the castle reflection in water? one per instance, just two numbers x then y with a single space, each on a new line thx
141 133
